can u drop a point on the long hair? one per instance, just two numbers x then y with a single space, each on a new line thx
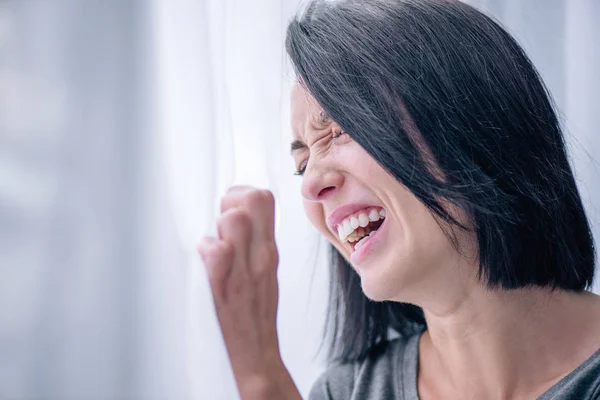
380 68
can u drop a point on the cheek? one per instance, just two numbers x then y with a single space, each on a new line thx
429 250
315 214
425 236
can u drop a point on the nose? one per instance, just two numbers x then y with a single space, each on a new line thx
320 183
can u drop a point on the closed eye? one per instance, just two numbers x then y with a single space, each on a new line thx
302 168
338 134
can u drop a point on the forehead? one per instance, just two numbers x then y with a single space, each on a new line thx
304 110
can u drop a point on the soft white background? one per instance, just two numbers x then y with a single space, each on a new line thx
121 124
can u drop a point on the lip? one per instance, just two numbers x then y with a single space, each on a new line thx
359 256
340 213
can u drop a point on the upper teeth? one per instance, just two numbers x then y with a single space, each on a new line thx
351 227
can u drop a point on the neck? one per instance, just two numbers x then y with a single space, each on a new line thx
507 344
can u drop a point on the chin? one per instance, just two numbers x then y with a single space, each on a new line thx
374 295
378 288
391 282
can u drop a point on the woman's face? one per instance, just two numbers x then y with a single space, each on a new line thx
390 238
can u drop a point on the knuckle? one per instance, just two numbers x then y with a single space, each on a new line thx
234 196
260 197
226 250
234 218
224 203
263 272
219 256
238 188
267 257
208 253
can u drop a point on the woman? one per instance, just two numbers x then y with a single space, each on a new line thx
433 161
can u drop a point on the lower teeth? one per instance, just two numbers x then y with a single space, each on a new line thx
361 241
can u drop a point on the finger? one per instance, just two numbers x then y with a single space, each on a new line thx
205 246
263 250
261 205
234 197
218 262
234 226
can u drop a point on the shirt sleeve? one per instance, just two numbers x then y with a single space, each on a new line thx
336 383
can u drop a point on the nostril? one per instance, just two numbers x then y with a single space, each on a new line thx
325 191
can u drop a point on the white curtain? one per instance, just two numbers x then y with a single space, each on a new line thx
91 272
121 124
224 88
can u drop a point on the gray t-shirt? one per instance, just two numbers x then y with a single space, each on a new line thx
390 373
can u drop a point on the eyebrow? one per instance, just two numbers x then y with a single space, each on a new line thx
297 145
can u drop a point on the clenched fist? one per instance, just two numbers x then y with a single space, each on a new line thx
241 264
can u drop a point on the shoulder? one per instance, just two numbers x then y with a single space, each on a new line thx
335 383
379 375
581 383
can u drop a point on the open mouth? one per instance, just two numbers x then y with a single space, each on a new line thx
357 228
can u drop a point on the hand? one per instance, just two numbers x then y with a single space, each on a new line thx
241 264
